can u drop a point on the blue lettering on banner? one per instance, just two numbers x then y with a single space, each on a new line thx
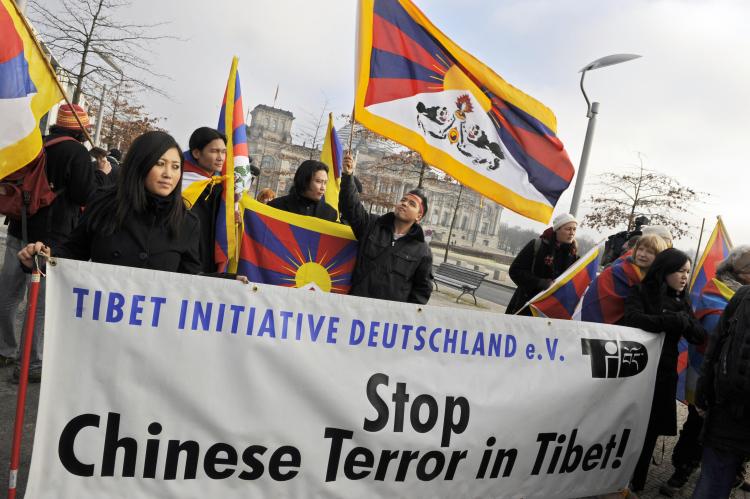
207 316
136 310
158 301
80 293
97 304
357 333
116 307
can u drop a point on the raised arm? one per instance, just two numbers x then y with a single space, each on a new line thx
349 203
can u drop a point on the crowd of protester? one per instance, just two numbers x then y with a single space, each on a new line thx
130 211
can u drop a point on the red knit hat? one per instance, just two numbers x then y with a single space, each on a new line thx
66 117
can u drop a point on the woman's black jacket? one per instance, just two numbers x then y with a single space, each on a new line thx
143 241
539 263
664 311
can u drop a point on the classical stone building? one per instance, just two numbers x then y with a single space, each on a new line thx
384 178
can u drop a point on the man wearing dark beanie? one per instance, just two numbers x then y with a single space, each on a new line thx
394 262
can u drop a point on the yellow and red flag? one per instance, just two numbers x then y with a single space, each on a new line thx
28 90
417 87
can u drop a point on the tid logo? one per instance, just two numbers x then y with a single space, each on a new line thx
614 359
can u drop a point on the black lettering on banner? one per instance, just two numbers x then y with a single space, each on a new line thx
152 452
401 397
377 403
596 455
337 437
219 462
368 459
112 443
432 413
614 359
66 445
174 448
256 466
212 459
284 456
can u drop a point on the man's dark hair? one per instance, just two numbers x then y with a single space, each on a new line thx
421 195
305 173
204 135
98 153
116 153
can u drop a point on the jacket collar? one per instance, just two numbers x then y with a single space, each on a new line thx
415 232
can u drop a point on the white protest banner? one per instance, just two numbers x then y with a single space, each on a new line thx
168 385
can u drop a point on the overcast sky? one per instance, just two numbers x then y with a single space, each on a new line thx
684 105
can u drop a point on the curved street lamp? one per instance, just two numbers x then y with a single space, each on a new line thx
592 109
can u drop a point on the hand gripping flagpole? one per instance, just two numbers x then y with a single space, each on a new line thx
351 130
28 336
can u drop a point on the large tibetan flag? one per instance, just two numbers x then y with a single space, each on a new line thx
604 301
709 297
561 299
331 156
232 123
295 251
28 90
417 87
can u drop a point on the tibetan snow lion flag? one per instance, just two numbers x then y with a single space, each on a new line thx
417 87
231 123
561 300
294 250
28 90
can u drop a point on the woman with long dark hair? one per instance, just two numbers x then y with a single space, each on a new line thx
660 305
142 222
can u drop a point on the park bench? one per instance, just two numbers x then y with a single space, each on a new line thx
466 280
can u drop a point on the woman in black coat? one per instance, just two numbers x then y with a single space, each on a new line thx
660 305
141 223
306 197
542 261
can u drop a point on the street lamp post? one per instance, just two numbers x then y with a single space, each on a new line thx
592 109
100 115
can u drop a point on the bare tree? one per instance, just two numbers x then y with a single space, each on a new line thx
124 118
313 128
513 239
93 45
640 191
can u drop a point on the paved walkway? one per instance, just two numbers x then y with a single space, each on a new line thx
446 297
